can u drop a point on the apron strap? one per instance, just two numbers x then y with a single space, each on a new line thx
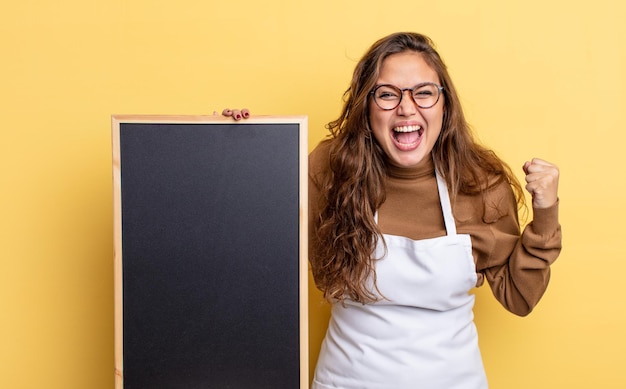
446 207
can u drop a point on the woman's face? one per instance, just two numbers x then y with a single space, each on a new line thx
407 133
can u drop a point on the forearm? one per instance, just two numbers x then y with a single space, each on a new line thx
520 280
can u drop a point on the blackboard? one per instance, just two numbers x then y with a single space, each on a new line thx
210 252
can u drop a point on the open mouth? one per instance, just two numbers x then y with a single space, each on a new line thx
407 136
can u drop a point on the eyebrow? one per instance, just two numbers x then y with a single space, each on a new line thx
413 87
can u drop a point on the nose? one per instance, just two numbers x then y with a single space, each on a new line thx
407 106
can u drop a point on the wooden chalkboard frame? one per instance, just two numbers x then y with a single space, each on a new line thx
118 122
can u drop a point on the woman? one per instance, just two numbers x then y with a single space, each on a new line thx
407 214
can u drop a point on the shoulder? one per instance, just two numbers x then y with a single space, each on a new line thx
319 158
494 200
322 150
499 199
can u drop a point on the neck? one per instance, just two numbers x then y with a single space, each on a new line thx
425 167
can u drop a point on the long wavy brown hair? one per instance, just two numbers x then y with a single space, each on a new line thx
355 187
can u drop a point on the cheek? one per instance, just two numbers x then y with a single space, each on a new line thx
377 120
378 127
436 119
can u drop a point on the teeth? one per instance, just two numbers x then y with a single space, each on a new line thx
407 128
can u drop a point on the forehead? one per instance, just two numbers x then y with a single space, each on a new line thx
406 69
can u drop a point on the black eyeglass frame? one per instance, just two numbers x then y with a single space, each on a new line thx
440 90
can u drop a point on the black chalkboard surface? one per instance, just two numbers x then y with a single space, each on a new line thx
210 252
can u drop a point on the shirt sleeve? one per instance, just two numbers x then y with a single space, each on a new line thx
516 266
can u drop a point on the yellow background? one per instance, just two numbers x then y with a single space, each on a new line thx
537 78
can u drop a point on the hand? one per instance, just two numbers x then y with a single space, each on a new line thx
235 113
542 180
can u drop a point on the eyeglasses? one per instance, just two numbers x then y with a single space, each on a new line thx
388 97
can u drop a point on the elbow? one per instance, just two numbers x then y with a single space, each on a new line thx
521 311
522 307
